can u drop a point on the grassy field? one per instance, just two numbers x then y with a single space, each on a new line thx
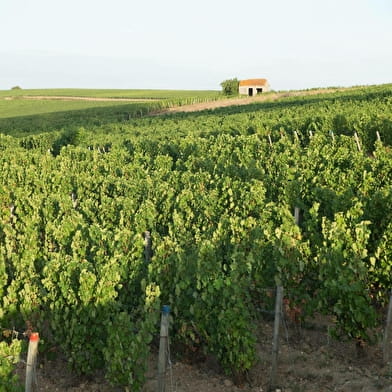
25 107
32 117
112 93
24 111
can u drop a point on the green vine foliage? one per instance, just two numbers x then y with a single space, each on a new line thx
343 274
218 200
127 346
9 356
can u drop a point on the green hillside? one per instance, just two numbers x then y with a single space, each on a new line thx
32 111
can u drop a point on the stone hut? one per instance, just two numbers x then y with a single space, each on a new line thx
253 87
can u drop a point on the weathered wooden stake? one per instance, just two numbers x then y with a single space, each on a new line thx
378 136
296 136
31 364
147 247
296 215
357 141
275 341
74 199
269 139
163 348
387 349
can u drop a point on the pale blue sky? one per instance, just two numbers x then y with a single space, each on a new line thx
183 44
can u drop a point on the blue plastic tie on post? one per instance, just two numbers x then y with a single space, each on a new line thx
165 309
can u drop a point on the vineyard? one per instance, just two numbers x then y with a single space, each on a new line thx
217 191
28 112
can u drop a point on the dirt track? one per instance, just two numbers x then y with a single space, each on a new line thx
244 101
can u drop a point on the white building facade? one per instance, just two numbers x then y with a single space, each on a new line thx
252 87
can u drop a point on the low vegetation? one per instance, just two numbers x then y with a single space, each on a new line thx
230 86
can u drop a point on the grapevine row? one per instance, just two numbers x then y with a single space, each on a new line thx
218 200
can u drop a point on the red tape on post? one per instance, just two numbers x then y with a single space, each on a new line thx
34 337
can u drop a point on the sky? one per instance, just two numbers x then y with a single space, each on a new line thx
180 44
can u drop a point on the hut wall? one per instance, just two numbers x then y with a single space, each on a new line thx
244 90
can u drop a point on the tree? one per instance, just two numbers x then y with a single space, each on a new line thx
230 86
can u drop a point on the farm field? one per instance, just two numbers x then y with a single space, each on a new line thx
106 93
26 112
13 109
216 190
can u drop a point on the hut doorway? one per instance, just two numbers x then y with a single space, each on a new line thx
250 92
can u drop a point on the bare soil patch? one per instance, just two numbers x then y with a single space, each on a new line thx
309 361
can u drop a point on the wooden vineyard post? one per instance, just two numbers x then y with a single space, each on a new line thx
275 341
296 215
269 140
163 348
147 247
31 364
357 141
387 346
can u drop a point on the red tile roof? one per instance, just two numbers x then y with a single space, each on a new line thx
253 82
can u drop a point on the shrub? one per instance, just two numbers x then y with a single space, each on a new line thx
230 86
